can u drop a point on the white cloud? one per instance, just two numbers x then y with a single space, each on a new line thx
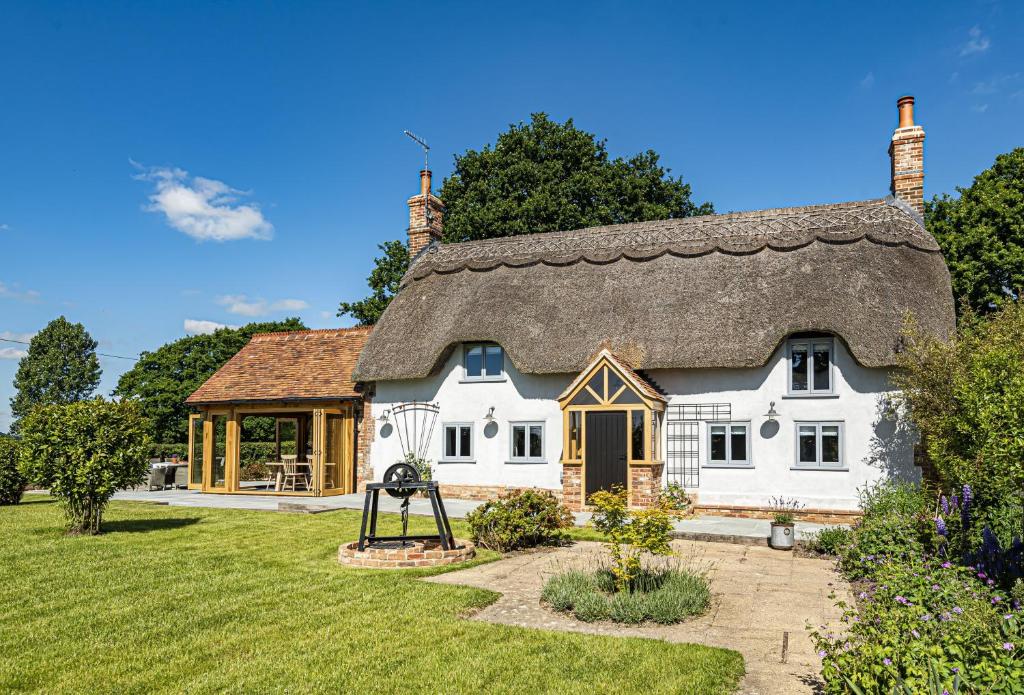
995 84
22 337
11 353
977 43
4 227
195 326
979 108
203 208
242 306
19 295
327 314
868 81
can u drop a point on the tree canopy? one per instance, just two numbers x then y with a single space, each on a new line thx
981 233
61 367
540 176
161 380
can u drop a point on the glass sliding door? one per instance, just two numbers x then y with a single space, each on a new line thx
218 460
332 443
196 449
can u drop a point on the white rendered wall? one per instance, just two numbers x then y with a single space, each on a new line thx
873 448
520 397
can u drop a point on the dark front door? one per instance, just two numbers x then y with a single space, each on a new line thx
605 450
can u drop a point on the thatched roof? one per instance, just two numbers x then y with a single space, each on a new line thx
290 366
713 291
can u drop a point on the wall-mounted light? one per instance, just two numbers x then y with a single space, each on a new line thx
489 417
772 413
385 415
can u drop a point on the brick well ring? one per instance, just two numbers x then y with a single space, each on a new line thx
393 555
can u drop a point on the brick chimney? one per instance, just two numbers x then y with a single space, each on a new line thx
425 214
906 152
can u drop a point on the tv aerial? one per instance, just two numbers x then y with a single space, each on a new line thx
422 143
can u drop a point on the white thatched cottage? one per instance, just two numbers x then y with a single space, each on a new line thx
743 355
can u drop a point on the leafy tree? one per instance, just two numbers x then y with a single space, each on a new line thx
966 397
982 235
629 533
61 367
383 281
83 453
163 379
540 176
12 482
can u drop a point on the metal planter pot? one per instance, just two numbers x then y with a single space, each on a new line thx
783 536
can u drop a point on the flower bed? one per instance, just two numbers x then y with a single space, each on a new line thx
663 596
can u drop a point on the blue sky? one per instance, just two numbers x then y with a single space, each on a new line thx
167 164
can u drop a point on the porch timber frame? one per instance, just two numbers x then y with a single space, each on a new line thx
201 428
608 397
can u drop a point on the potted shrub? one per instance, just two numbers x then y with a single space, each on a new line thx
783 537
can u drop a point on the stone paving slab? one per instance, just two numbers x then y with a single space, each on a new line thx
758 594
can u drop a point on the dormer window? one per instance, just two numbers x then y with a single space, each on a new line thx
810 365
484 362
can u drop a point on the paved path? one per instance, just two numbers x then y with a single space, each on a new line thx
758 595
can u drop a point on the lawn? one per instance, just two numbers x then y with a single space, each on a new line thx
201 600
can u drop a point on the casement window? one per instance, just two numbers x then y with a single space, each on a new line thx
527 442
819 445
810 366
729 444
484 362
458 442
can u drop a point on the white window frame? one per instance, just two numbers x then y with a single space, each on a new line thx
810 344
728 462
461 457
818 465
512 458
484 376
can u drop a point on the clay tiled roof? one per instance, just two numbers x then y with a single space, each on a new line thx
299 365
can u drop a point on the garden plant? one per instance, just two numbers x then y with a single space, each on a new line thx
12 482
520 519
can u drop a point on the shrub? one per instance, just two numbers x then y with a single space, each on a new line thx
922 611
84 452
673 497
629 533
831 541
664 596
12 482
520 519
895 525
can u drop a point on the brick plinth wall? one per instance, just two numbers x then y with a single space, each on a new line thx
486 492
572 486
645 484
364 434
817 516
394 556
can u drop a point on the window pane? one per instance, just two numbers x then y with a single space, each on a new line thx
830 444
518 441
798 367
449 442
494 360
465 443
536 442
638 435
717 443
738 442
808 444
597 384
614 383
575 434
821 367
474 361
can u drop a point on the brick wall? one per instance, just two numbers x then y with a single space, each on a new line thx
906 152
572 487
423 229
645 484
485 492
365 433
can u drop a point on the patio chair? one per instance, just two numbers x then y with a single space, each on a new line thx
294 472
157 479
181 477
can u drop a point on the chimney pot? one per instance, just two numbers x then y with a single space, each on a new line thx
906 107
425 181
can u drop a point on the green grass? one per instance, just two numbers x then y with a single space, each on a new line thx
175 599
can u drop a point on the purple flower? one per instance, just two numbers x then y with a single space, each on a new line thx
945 617
862 595
887 661
982 575
915 633
903 600
935 587
946 565
995 600
945 504
958 610
926 617
940 525
821 654
1008 646
955 669
968 496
